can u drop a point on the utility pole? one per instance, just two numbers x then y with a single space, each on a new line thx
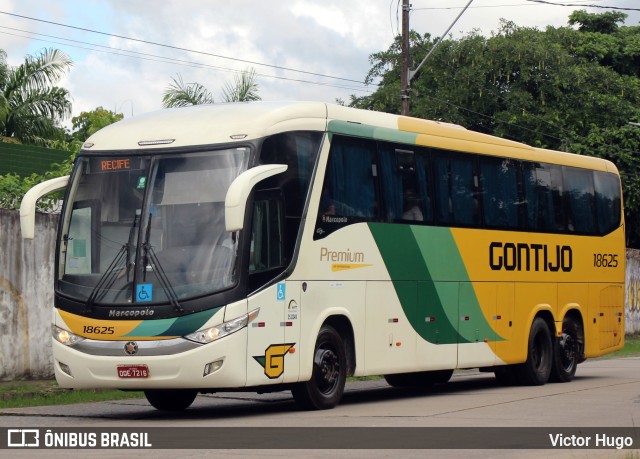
404 72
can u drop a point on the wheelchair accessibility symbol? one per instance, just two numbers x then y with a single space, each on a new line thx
144 293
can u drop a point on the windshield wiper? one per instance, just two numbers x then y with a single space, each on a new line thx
150 255
110 275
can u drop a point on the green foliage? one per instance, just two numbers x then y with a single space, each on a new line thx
601 23
243 89
88 123
179 94
13 187
560 88
31 106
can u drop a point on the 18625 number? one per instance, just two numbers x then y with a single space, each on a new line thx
98 330
605 260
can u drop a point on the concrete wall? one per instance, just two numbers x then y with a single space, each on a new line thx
632 298
26 297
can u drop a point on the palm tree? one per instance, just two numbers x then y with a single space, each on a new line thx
179 94
244 89
31 106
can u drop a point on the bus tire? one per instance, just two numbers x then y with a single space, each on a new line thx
419 379
568 351
535 371
170 399
326 386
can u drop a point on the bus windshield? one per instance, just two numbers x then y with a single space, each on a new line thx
149 229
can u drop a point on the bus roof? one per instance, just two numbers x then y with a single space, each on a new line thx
224 123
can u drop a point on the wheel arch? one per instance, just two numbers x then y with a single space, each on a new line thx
342 322
574 311
545 312
343 326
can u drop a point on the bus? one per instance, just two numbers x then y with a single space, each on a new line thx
272 246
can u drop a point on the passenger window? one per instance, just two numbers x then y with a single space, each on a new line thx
349 181
607 201
456 185
405 194
348 193
580 197
543 197
500 200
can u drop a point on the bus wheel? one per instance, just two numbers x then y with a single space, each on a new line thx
567 353
537 368
326 386
419 379
169 399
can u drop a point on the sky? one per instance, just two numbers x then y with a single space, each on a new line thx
126 52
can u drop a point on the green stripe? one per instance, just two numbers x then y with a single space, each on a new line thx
432 283
179 326
371 132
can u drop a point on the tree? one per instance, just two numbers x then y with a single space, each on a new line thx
179 94
561 88
88 123
243 89
600 23
31 106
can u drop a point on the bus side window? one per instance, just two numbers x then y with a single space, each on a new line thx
266 236
580 197
404 184
456 189
350 178
499 178
81 250
607 196
543 194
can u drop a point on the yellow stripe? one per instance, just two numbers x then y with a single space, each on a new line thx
344 267
98 329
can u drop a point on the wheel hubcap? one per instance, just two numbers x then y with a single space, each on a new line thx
328 369
567 350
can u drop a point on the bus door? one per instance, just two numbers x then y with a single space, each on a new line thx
272 335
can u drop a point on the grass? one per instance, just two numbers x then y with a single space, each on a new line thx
631 347
20 394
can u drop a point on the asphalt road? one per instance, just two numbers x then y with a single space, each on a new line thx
603 398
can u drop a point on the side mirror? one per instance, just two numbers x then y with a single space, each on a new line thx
28 204
235 202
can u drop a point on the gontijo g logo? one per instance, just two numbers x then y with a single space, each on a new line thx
273 359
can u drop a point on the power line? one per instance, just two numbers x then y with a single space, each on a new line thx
620 8
162 59
492 6
178 48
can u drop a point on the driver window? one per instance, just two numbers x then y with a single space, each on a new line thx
266 236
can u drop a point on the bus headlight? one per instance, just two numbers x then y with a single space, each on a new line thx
219 331
64 336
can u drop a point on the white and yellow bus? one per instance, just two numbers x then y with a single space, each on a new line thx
287 246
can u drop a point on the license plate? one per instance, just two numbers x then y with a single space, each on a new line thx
133 371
